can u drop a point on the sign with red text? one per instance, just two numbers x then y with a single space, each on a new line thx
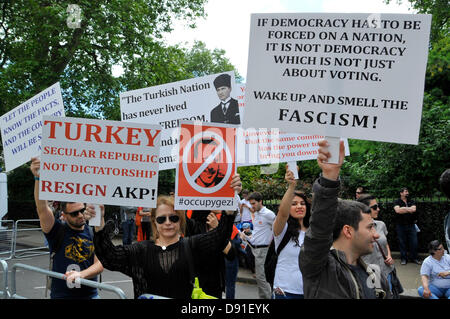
101 162
340 75
21 128
196 99
206 167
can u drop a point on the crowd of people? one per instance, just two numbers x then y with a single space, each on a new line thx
311 248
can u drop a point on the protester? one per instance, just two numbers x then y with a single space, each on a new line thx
228 109
435 273
405 212
291 222
245 235
71 243
444 182
381 254
162 267
260 240
232 268
340 233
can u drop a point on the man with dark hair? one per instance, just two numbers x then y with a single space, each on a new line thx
71 242
444 182
348 229
260 241
228 110
405 212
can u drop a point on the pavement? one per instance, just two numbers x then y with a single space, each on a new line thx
408 274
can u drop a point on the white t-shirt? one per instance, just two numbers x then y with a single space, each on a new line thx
246 213
288 276
432 267
262 227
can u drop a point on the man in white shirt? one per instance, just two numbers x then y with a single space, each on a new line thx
260 241
246 209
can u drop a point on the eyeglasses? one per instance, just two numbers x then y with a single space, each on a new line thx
75 213
376 206
442 248
359 192
172 218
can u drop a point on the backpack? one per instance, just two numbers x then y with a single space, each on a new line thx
59 239
270 264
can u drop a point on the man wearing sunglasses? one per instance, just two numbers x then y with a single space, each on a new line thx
71 244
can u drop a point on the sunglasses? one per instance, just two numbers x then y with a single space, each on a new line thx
172 218
75 213
376 206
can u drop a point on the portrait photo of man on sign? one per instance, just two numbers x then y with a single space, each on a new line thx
214 172
228 110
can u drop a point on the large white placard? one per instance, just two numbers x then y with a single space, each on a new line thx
193 99
21 128
102 162
346 75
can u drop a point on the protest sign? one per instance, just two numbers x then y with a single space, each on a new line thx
292 166
206 167
21 128
100 162
194 99
344 75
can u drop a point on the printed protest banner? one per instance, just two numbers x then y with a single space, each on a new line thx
340 75
21 128
197 99
206 167
260 146
100 162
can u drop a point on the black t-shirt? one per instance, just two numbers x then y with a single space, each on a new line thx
362 276
407 218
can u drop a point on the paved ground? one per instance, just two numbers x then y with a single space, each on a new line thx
408 274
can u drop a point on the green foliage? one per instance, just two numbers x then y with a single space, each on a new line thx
440 10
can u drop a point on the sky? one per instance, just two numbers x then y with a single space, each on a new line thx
227 25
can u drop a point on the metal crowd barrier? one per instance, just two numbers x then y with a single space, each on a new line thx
90 283
5 293
29 251
7 229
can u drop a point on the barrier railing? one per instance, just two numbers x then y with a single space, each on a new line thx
29 251
5 293
90 283
7 228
